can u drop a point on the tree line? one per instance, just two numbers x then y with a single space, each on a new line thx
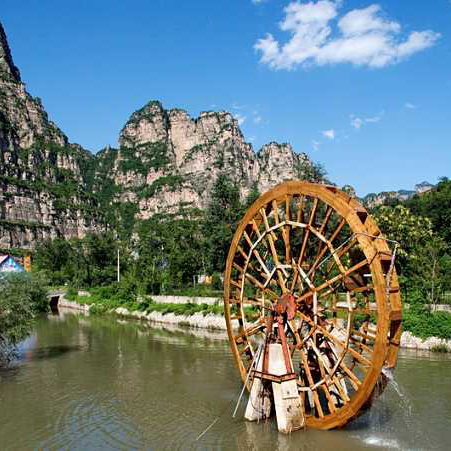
163 254
422 226
158 255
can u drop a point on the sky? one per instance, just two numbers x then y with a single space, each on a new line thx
363 88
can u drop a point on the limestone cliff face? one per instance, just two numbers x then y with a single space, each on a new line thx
373 200
178 158
39 169
166 162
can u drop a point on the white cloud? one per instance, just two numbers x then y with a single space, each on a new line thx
362 37
257 119
376 118
240 118
329 134
315 144
409 105
256 2
357 122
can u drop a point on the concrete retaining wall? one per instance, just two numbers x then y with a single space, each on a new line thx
186 299
411 342
63 302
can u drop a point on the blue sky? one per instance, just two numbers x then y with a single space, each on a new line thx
362 87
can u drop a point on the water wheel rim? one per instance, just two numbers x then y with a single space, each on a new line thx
387 302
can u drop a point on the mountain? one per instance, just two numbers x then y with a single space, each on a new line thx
374 199
41 173
166 162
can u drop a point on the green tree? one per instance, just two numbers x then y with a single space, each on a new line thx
421 254
169 252
221 219
56 259
436 205
309 171
22 296
252 196
85 262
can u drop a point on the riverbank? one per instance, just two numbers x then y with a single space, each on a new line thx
216 321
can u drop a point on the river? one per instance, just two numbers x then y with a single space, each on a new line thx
85 383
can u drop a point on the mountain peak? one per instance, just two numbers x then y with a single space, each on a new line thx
6 61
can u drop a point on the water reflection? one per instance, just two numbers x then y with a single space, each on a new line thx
89 382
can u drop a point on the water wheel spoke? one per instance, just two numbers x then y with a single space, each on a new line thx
311 384
326 220
262 287
300 212
327 376
325 387
295 331
270 237
354 380
323 248
255 328
307 232
336 340
360 345
337 278
362 335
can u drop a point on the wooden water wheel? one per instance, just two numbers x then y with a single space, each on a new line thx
319 245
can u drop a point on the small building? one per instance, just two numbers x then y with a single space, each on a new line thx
8 264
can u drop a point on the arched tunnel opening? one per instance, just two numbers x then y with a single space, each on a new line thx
54 304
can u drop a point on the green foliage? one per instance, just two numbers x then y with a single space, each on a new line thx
422 261
173 182
436 205
144 157
410 231
252 196
424 324
216 281
221 219
22 295
186 309
86 262
169 253
311 172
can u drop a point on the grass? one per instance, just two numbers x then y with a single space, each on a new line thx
184 309
200 290
439 348
102 304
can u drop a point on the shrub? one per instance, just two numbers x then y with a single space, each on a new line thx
216 282
426 324
22 296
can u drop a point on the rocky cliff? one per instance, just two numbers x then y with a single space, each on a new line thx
374 199
166 162
40 172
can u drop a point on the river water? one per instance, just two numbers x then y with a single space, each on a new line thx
85 383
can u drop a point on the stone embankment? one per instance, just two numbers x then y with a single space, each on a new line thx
198 320
186 299
63 302
217 322
411 342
